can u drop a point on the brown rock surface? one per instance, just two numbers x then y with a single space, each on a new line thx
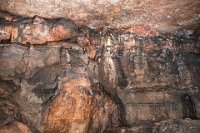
177 126
15 128
79 108
159 14
56 97
99 66
18 60
11 117
37 31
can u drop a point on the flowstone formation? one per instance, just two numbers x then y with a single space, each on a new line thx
99 66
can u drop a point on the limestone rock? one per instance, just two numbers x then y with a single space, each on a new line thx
177 126
15 128
37 31
79 108
163 15
21 61
86 66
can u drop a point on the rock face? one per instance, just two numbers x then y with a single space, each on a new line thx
37 31
56 94
15 128
177 126
109 67
161 14
79 109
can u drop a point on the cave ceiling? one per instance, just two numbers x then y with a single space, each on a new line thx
161 15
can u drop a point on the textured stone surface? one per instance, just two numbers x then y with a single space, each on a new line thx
15 128
111 66
92 86
177 126
157 105
59 96
37 30
79 109
160 14
23 61
12 119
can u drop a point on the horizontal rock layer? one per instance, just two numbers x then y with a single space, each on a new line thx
163 15
65 75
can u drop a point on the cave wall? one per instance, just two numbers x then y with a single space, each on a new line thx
60 74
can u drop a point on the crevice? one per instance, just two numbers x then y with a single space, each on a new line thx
189 108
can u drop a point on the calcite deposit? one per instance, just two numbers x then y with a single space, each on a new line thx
99 66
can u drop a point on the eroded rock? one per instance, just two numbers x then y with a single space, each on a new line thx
79 108
37 30
104 73
177 126
20 61
15 128
159 14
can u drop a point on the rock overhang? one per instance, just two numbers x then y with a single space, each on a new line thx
161 15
